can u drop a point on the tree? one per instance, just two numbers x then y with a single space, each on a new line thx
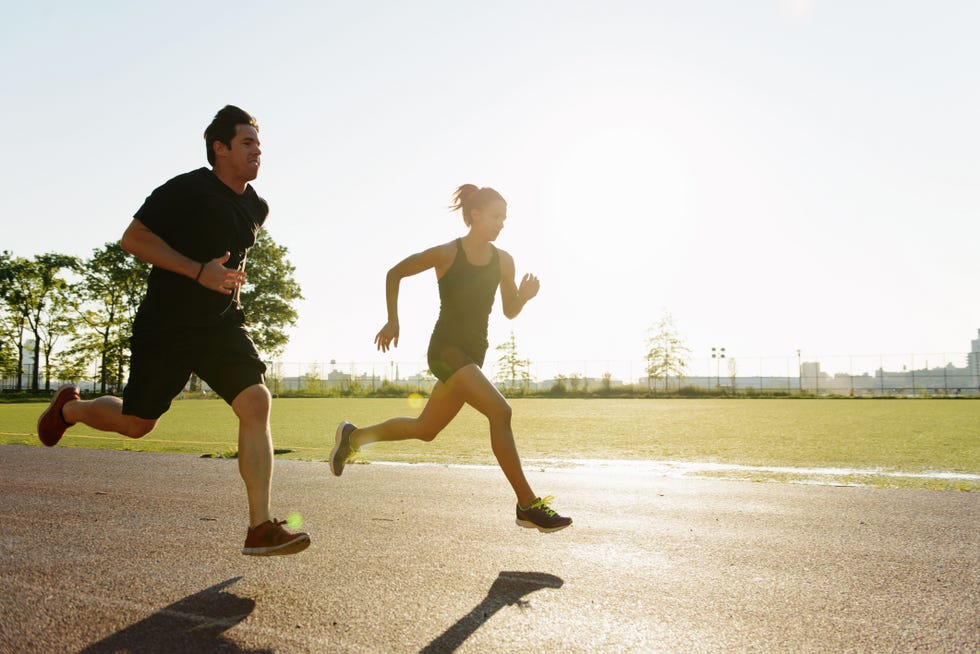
33 286
666 351
60 323
269 295
510 366
113 285
11 324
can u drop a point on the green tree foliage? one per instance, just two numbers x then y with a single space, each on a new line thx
512 370
112 286
97 313
666 351
34 286
11 324
269 295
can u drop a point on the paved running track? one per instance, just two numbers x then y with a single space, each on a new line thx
125 551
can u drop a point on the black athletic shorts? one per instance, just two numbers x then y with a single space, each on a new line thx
162 362
446 358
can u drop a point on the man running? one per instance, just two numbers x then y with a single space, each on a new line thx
196 231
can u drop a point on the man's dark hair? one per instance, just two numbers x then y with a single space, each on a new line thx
223 127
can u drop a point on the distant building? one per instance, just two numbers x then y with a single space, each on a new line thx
948 379
973 360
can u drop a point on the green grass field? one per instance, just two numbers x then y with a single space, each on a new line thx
888 436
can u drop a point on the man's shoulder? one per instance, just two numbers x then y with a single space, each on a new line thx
195 179
257 204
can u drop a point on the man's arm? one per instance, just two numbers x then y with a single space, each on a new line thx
143 244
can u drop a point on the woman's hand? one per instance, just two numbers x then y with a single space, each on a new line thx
529 287
387 335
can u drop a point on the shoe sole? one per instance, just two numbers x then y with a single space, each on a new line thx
336 448
527 524
292 547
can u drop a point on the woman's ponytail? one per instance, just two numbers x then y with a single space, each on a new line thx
470 196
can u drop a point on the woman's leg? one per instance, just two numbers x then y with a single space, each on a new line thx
470 385
442 407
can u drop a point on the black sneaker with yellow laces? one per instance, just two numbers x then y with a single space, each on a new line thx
540 516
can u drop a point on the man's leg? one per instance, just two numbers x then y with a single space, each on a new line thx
255 456
105 414
265 536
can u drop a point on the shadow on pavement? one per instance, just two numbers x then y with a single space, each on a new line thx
194 624
509 588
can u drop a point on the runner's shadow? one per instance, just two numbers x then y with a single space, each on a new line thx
194 624
509 588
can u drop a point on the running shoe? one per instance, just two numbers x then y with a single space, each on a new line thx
51 426
342 449
541 516
270 538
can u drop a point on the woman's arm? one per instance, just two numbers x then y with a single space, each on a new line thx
439 257
512 297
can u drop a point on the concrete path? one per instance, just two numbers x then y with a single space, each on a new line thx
125 551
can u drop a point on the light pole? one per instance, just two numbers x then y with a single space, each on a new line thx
718 353
799 369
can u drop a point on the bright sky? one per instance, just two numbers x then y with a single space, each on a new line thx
777 174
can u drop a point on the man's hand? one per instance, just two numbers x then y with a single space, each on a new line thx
214 276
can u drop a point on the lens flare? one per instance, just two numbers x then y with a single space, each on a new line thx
294 520
416 401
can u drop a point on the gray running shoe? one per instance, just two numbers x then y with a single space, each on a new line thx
342 449
541 516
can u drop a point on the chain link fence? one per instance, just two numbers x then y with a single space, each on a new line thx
937 374
943 374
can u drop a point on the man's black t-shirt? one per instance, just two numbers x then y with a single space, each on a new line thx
202 218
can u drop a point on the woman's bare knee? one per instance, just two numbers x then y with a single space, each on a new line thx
424 430
500 414
427 435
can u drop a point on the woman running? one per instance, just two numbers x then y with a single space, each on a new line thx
469 270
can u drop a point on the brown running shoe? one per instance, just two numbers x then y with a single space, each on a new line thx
271 538
51 426
541 516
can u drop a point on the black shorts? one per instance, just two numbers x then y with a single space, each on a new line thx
446 358
162 362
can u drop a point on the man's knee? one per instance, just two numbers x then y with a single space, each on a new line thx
253 403
137 427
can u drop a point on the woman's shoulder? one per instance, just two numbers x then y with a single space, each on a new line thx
439 256
445 250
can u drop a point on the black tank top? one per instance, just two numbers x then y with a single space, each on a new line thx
466 294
